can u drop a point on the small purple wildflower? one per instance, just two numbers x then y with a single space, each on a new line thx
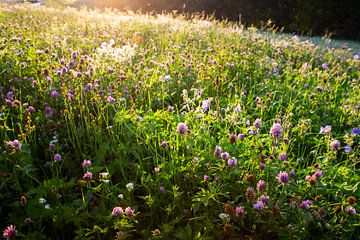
16 144
156 170
241 137
162 189
276 70
320 88
86 163
305 204
232 162
206 105
259 206
182 128
57 157
54 94
264 199
282 156
355 131
351 210
324 65
110 99
239 211
163 144
225 155
257 123
117 211
347 148
325 129
206 178
217 151
282 177
30 109
129 212
88 176
318 174
262 166
335 144
261 185
170 108
276 130
292 172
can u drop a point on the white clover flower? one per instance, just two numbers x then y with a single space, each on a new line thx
42 200
47 206
121 196
130 186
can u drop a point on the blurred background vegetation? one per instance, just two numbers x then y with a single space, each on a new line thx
337 19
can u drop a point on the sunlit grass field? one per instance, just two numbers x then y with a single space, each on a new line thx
116 125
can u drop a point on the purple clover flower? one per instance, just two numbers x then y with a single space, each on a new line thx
239 211
335 144
347 148
261 185
351 210
57 157
276 130
225 155
86 163
325 129
282 156
355 131
257 123
129 212
182 128
88 176
117 211
305 204
232 162
110 99
259 206
283 177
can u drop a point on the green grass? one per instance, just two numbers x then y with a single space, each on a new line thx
185 111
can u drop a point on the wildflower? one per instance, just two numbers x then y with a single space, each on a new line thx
129 212
241 137
30 109
335 144
10 232
48 112
120 196
47 206
167 78
351 210
103 175
237 109
170 108
88 176
182 128
282 156
232 138
264 199
57 157
305 204
156 170
347 148
261 185
259 206
217 151
276 130
163 144
54 94
224 215
355 131
282 177
292 172
117 211
318 174
239 211
86 163
206 178
257 123
110 99
130 186
206 105
42 200
276 71
195 160
312 180
262 166
162 189
250 194
225 155
325 129
324 65
232 162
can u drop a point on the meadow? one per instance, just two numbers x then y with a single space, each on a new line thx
117 125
